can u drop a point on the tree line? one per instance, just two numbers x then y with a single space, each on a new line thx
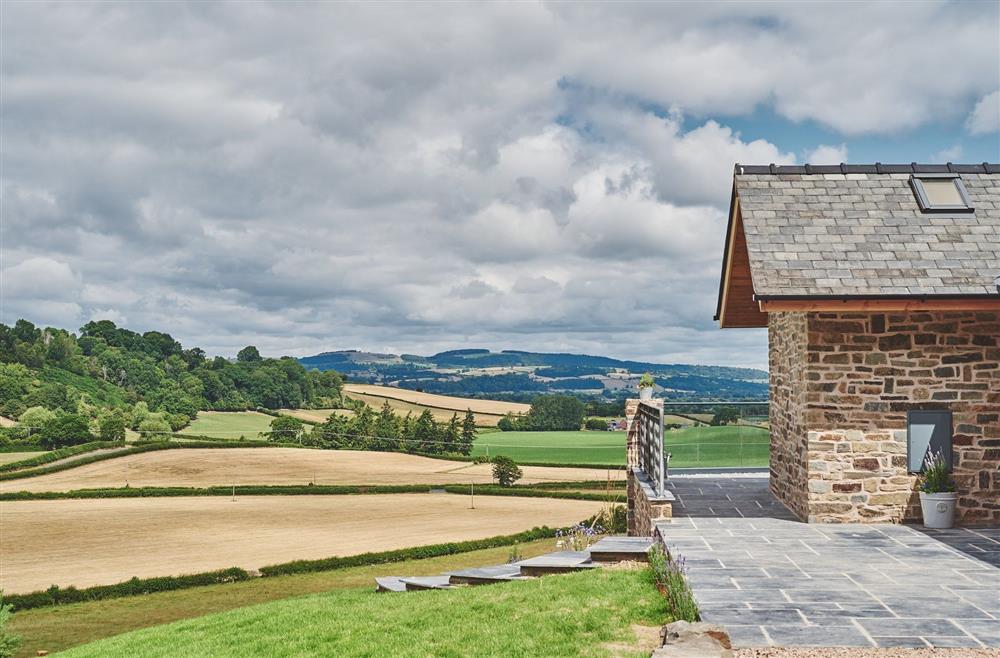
108 375
384 431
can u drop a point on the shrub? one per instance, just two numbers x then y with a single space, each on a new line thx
155 427
613 518
595 424
505 471
669 574
8 641
66 430
508 423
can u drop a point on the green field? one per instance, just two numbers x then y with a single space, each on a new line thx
589 613
690 447
229 424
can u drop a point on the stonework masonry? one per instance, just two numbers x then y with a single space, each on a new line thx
644 508
841 386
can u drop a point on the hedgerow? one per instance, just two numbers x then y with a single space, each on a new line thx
140 447
61 453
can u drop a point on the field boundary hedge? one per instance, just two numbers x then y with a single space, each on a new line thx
61 453
56 595
196 442
299 490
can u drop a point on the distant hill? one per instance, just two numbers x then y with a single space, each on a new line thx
516 374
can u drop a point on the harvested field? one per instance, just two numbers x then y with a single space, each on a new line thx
440 401
8 457
314 415
205 467
90 542
403 408
7 422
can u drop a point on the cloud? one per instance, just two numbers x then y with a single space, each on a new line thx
534 176
826 154
985 116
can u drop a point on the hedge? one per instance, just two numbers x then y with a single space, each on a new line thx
136 586
296 490
61 453
140 447
56 595
402 554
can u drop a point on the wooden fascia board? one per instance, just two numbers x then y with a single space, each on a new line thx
734 213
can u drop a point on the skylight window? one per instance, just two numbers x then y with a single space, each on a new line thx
940 193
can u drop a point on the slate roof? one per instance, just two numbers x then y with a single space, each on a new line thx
857 231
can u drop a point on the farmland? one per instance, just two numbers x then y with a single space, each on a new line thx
274 466
228 424
314 415
87 542
690 446
7 422
8 457
488 412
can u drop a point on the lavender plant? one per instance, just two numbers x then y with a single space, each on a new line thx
936 478
580 536
670 575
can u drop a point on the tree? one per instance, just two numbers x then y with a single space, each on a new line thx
508 423
725 415
65 430
505 471
596 424
9 642
155 427
285 429
112 427
36 418
554 412
468 433
248 354
425 434
386 429
451 436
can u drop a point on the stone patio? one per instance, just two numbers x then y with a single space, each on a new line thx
772 580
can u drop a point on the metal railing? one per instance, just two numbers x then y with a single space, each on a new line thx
649 440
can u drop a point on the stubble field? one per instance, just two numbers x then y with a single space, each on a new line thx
280 466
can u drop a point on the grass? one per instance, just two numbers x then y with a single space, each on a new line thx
229 424
702 446
57 628
588 613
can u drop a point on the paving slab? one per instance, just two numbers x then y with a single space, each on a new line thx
558 562
618 549
389 584
485 575
426 582
774 581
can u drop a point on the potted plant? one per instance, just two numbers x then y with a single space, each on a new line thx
937 493
646 384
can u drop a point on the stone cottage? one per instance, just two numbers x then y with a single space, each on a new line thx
879 288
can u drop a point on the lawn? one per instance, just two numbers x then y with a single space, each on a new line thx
704 446
589 613
57 628
229 424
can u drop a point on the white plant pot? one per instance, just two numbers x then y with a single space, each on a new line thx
938 509
646 393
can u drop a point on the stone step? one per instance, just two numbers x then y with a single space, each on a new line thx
389 584
486 575
620 549
426 582
558 562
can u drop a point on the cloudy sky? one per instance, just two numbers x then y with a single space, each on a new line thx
431 176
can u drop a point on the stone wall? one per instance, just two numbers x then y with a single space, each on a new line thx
863 372
788 338
644 506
